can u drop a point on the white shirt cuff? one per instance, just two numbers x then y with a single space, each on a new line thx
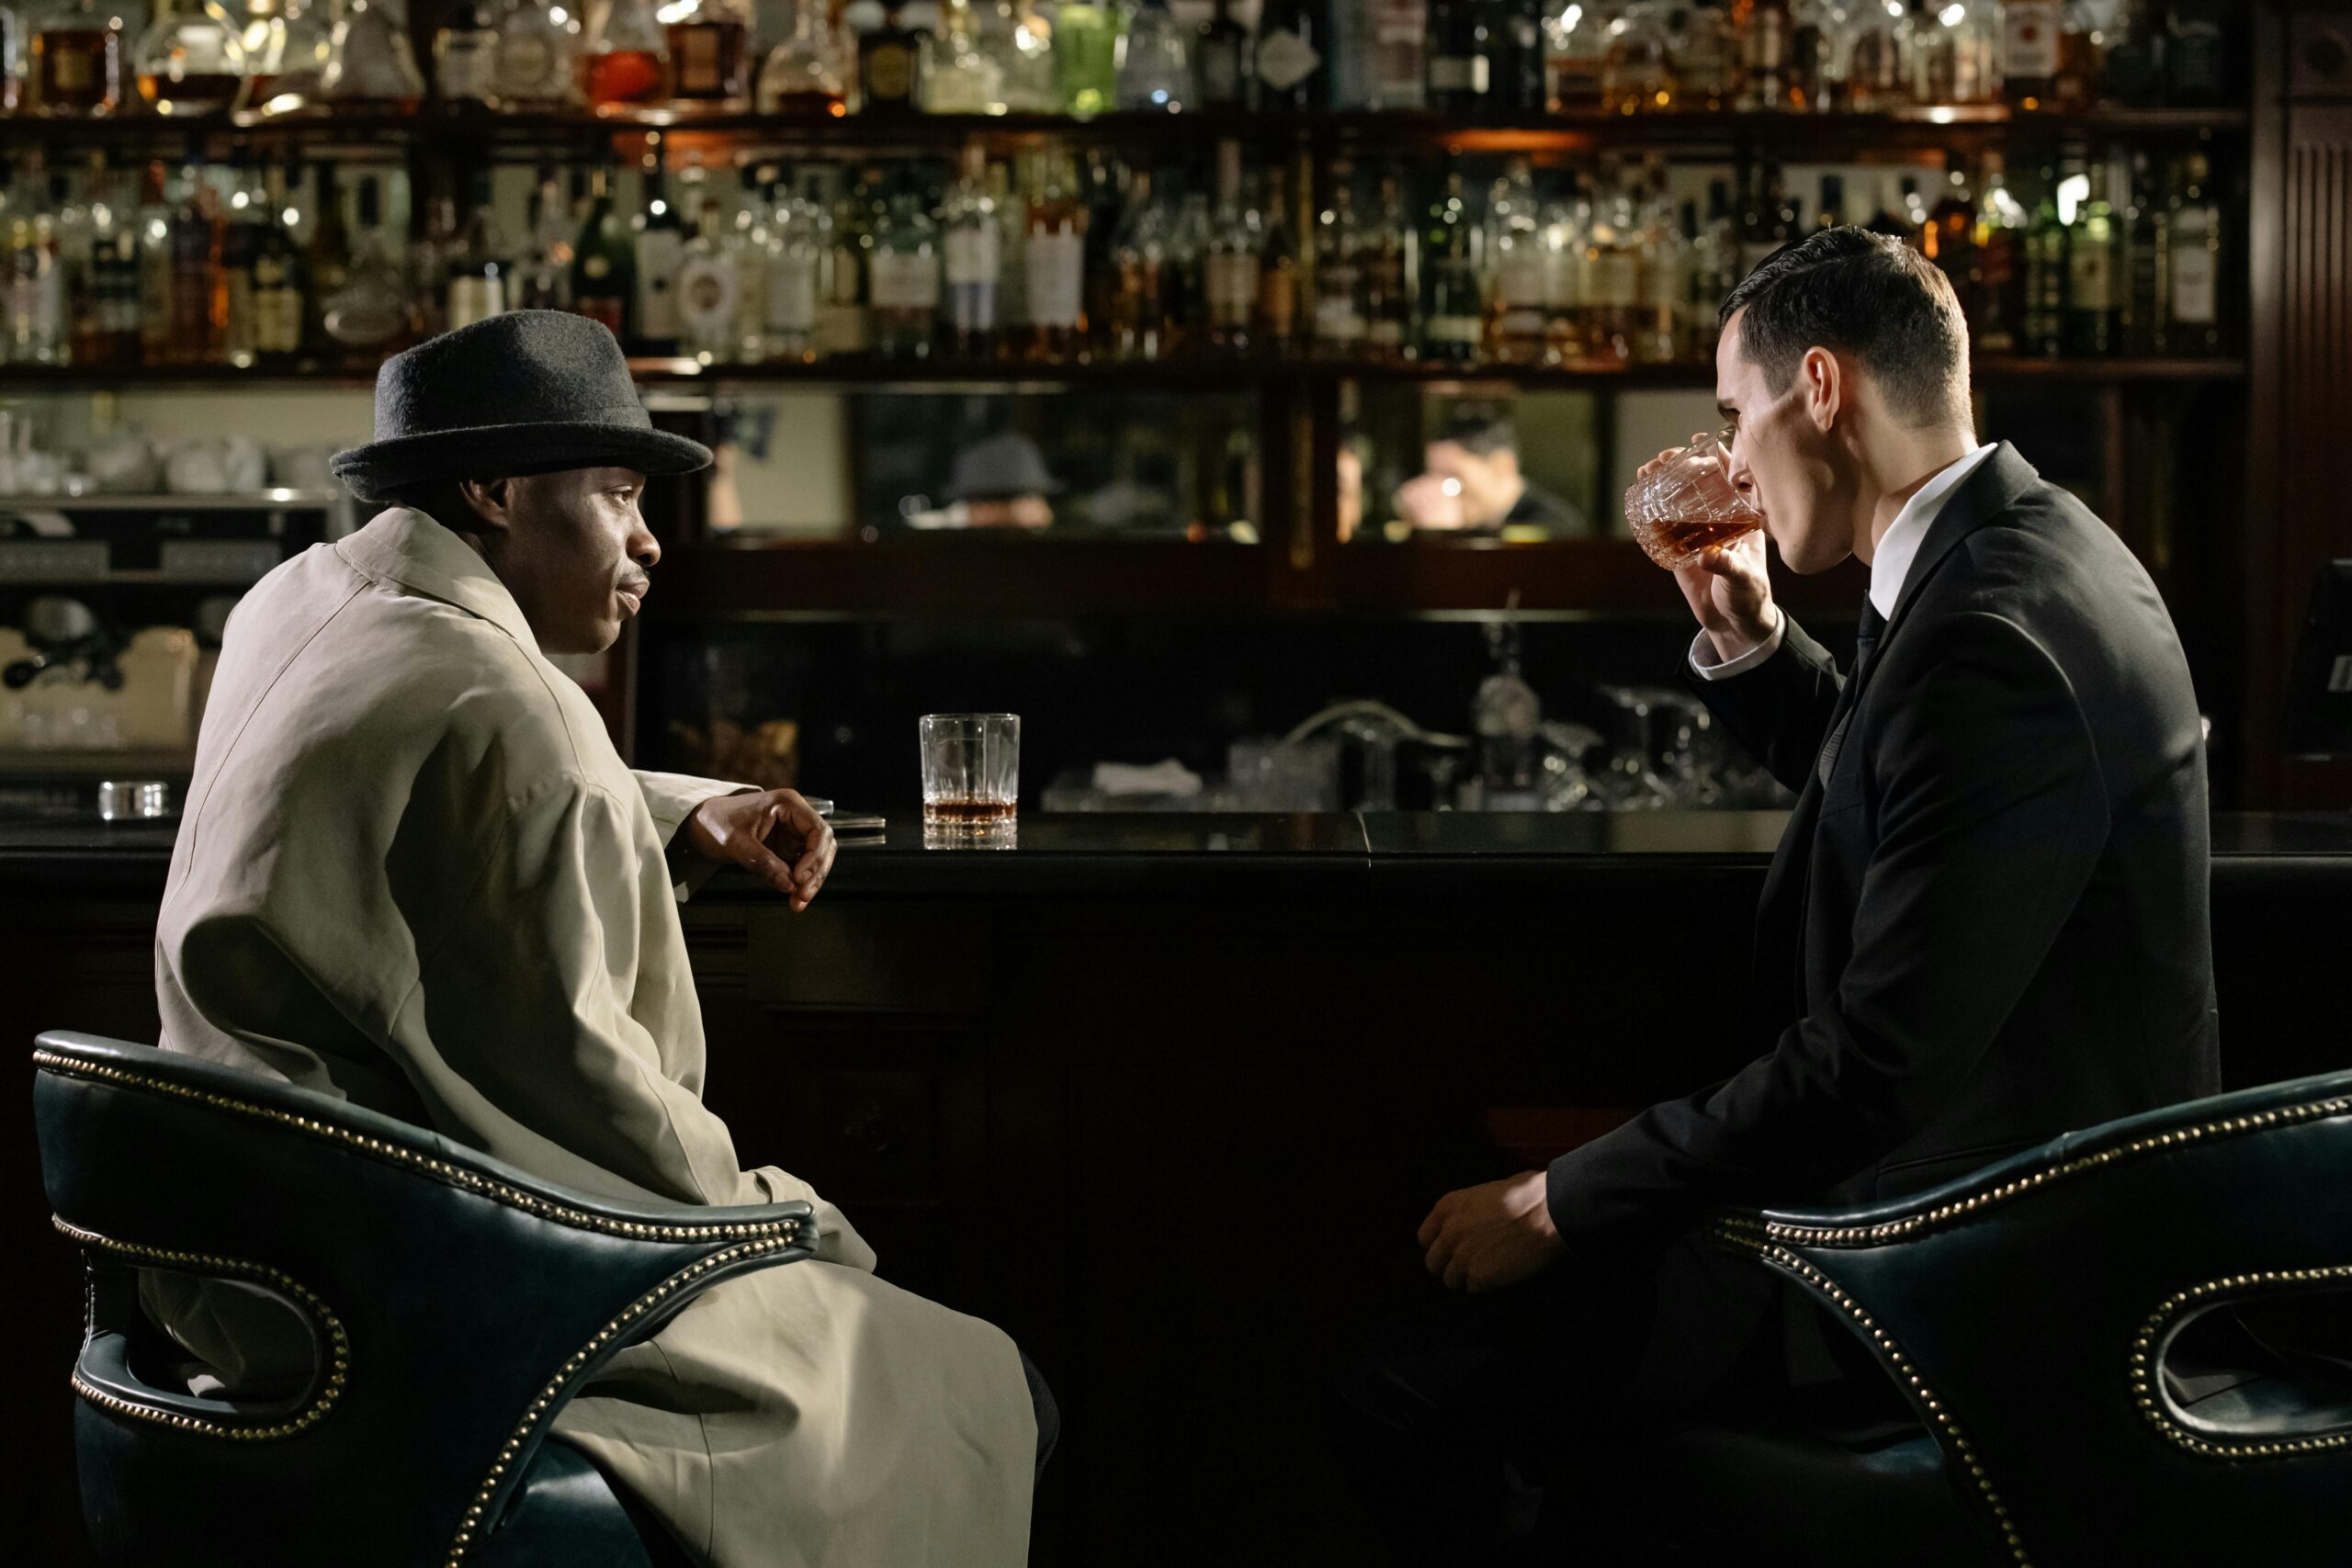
1702 647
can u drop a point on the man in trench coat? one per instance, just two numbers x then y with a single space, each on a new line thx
413 872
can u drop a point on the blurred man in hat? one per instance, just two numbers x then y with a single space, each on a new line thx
1000 481
415 872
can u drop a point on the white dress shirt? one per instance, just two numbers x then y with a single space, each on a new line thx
1890 564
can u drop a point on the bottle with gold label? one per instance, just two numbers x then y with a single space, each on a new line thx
890 67
77 61
710 52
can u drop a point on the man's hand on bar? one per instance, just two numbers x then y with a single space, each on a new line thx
736 829
1484 1237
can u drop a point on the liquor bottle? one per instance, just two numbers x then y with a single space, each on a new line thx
1227 60
189 62
1384 260
1612 276
1157 70
1055 256
12 49
2083 43
709 292
36 304
890 67
660 248
326 262
2094 312
1873 51
1705 60
368 64
2135 64
1576 45
1830 212
1767 50
241 237
2147 263
543 276
1453 314
959 78
802 74
1184 279
1086 41
1232 263
1949 236
625 59
2196 225
1017 41
106 329
1515 81
482 264
2001 223
1637 73
2041 324
845 318
1102 192
1567 233
1770 221
282 57
1278 283
1135 326
1294 42
796 243
152 222
2198 68
200 294
76 61
603 262
1954 52
465 57
1714 267
1666 277
975 260
1810 67
371 310
1342 320
1517 319
710 50
1460 56
2029 30
536 66
1399 67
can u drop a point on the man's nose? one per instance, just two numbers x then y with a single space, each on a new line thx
643 548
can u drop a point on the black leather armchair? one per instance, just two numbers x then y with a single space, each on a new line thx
454 1305
2131 1345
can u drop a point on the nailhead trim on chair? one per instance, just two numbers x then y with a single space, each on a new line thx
447 1170
1917 1386
1912 1224
542 1408
2143 1367
338 1341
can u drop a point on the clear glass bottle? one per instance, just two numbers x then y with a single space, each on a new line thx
1340 325
1567 231
372 309
710 50
974 260
190 60
795 258
1955 47
1384 258
2001 221
36 279
465 56
538 60
1637 73
1874 64
1706 60
1086 43
1055 264
77 60
905 280
625 59
1614 275
1576 49
802 74
368 64
708 289
962 79
1517 270
104 302
1666 277
1156 72
287 44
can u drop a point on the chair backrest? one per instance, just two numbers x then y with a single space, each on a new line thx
2028 1311
455 1304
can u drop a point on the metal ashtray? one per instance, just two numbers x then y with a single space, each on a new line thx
134 800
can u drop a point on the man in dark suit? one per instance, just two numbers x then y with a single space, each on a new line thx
1987 922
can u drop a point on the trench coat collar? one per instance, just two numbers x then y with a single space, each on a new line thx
403 545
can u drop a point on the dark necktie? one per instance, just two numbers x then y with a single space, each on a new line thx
1866 637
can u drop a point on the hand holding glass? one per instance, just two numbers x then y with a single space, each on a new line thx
1687 505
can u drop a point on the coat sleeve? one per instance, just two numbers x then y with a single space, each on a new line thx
1781 709
1992 817
672 797
545 997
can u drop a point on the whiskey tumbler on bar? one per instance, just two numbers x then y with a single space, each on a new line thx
971 773
1688 506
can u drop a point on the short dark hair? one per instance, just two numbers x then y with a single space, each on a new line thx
1868 295
1479 429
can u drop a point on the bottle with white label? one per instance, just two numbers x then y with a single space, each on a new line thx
1519 285
1458 56
1613 275
2196 261
975 260
904 280
661 249
1231 267
1293 37
1054 266
2030 33
796 244
1340 321
707 289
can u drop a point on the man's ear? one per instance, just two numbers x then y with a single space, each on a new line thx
1822 377
492 500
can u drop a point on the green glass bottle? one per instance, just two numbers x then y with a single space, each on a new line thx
1086 45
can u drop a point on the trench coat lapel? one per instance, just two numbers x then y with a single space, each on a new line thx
405 547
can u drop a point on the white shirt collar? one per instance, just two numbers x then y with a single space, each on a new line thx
1892 561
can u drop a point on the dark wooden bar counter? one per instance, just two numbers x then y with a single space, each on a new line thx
1166 1096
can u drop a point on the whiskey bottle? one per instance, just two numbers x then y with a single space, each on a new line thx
1612 276
974 263
2094 312
1576 44
1054 270
1277 321
802 74
604 263
1767 47
1637 73
465 57
537 63
189 62
1226 61
2042 325
2147 245
905 280
796 246
1453 314
76 61
1460 56
1232 262
1515 293
1340 288
1385 263
1705 60
2197 235
890 67
2029 55
2001 223
710 50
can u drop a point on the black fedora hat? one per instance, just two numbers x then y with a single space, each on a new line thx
525 393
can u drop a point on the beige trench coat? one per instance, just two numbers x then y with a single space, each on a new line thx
413 872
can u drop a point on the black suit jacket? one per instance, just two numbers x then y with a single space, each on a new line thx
1986 923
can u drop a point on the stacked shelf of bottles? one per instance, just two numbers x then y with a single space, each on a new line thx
1467 59
2120 259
